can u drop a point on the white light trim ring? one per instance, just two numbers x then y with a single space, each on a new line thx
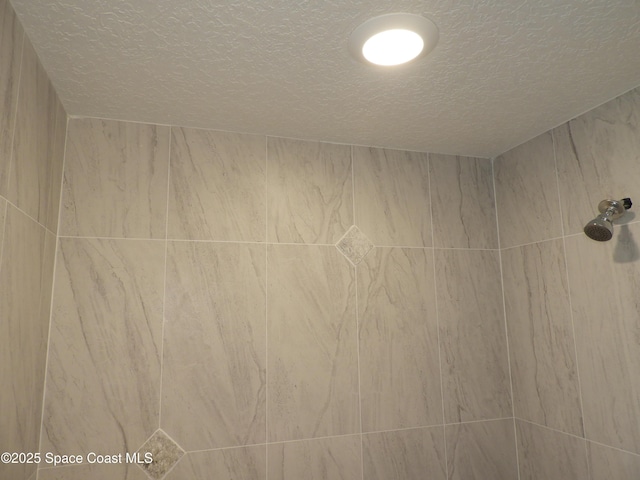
393 39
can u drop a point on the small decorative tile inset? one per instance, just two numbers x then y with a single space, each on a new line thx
165 454
354 245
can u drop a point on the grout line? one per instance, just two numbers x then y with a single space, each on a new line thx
559 431
112 238
353 186
15 114
53 284
573 327
506 328
266 307
435 294
164 282
355 270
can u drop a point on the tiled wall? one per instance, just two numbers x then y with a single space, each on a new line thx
572 305
32 135
205 287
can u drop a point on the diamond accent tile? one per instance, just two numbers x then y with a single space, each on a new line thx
165 453
354 245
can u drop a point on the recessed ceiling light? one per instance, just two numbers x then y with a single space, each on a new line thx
393 39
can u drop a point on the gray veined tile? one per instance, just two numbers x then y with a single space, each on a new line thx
243 463
611 464
104 351
399 364
482 451
217 186
541 343
23 335
11 39
527 193
464 214
310 191
604 282
598 154
312 343
34 139
545 453
214 370
94 471
115 179
392 196
57 159
405 454
164 453
336 458
475 366
354 245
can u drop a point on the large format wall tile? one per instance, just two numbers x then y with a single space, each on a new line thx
11 39
405 455
464 212
213 387
3 211
399 364
115 179
541 344
475 365
598 154
337 458
245 463
217 189
611 464
23 337
96 471
104 354
550 455
312 344
481 451
310 191
392 196
527 193
34 139
604 279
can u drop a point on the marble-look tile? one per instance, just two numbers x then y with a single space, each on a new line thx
104 352
482 451
165 454
57 164
405 455
604 279
34 138
23 337
475 366
392 196
95 471
611 464
243 463
354 245
464 211
399 364
310 191
551 455
11 39
115 179
598 154
217 186
312 344
541 344
3 211
527 193
214 378
336 458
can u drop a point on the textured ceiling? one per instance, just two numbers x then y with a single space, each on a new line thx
503 71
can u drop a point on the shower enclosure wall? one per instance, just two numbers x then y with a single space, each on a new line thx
255 307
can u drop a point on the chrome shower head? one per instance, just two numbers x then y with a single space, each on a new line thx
601 227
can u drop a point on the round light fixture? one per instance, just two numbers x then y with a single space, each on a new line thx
393 39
